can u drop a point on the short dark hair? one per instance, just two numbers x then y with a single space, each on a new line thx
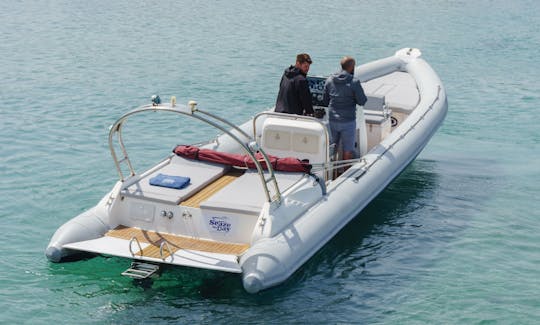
303 57
347 62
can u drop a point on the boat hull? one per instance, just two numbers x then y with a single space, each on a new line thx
273 260
286 235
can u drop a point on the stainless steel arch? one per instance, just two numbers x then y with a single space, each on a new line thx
209 119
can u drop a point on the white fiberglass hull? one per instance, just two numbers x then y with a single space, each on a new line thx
273 260
286 236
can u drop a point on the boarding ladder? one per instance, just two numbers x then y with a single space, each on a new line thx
141 270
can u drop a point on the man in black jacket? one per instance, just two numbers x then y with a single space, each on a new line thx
294 96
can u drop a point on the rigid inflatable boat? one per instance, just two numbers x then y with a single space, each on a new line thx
264 196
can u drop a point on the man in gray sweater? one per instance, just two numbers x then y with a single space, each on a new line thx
342 92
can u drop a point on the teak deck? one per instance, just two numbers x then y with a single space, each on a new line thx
196 199
175 242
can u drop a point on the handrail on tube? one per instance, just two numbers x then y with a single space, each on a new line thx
166 245
207 118
138 244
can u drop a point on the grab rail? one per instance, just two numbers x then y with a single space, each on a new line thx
138 244
165 243
206 117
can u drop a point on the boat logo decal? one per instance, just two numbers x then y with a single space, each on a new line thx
220 224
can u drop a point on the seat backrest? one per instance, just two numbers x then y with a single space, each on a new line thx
375 103
302 139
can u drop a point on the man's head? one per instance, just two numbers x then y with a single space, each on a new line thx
348 63
303 61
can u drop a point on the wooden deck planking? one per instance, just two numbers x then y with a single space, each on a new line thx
196 199
175 242
153 251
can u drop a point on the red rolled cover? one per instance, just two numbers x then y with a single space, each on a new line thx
287 164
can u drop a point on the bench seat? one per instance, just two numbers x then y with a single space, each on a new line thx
201 174
245 195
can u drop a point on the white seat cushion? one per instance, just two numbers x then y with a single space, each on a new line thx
201 174
245 195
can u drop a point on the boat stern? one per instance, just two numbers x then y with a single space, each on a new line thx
85 226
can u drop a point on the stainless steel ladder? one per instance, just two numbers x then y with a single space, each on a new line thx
141 270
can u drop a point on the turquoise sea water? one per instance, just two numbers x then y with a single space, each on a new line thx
454 240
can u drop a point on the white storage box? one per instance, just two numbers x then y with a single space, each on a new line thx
378 126
294 138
